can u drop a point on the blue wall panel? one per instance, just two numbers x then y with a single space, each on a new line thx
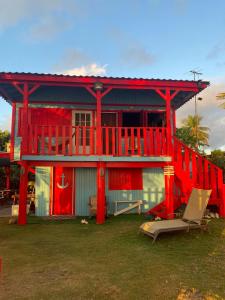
152 193
42 190
153 187
85 187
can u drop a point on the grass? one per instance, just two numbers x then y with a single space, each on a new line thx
67 260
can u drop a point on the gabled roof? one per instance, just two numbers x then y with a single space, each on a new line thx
73 87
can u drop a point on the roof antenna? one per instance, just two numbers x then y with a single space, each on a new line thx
195 74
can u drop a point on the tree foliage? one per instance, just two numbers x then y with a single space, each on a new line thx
192 133
4 139
217 157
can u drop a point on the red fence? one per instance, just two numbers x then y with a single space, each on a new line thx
196 171
117 141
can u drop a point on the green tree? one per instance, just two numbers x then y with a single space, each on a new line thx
192 133
184 134
217 157
4 139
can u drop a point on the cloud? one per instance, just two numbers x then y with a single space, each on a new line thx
72 57
137 56
77 62
208 108
47 29
88 70
216 51
131 52
39 14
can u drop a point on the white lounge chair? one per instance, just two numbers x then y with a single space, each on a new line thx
192 218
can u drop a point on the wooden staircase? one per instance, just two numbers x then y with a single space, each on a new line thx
193 170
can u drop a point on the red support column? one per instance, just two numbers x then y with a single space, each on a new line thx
7 172
25 120
100 218
168 122
99 123
169 182
12 139
22 218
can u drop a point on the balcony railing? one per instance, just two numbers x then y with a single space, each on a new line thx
114 141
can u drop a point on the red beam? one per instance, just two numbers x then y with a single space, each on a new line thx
16 85
63 164
12 138
34 88
135 164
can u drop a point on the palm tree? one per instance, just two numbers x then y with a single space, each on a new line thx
199 134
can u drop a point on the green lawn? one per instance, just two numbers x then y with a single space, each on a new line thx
67 260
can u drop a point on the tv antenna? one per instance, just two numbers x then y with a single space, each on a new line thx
195 73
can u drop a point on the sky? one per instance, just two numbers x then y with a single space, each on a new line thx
133 38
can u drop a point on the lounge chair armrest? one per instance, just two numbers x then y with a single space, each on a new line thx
201 221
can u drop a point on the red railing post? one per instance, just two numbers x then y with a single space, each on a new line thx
70 140
139 141
91 140
57 140
119 141
77 140
42 140
113 141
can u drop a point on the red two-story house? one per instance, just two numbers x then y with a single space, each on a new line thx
109 137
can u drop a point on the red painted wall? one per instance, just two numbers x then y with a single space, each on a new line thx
125 179
63 197
47 116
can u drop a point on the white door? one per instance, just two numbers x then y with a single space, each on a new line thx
82 121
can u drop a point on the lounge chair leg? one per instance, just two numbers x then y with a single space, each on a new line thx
154 238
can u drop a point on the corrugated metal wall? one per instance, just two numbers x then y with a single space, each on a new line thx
17 138
153 187
152 193
42 190
85 187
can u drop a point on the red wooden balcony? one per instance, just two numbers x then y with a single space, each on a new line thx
114 141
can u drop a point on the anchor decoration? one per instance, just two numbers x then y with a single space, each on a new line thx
62 185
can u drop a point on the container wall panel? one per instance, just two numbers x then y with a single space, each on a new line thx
42 190
85 187
17 142
153 187
152 193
